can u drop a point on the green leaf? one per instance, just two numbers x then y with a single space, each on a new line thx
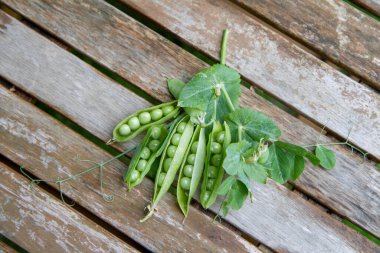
253 125
297 150
256 172
237 195
281 164
199 92
225 186
175 87
378 165
326 156
298 167
312 158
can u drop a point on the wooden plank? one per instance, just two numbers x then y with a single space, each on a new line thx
31 138
334 28
332 188
370 5
36 221
348 237
275 64
5 248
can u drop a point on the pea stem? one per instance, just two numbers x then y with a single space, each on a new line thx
224 47
228 99
240 133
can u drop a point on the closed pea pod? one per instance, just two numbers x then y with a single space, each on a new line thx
142 120
213 172
191 173
144 156
165 177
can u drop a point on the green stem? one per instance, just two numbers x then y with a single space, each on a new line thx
240 133
339 143
224 47
229 102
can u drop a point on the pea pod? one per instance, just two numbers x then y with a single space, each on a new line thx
141 120
219 139
149 149
171 160
191 169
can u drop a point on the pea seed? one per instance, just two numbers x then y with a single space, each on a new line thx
175 139
171 151
154 145
145 118
191 159
124 130
167 163
194 147
206 196
156 133
212 172
216 148
134 123
185 183
181 127
188 170
167 109
145 153
216 160
210 184
134 176
161 178
156 114
141 165
220 137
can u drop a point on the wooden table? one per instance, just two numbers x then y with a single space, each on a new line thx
70 70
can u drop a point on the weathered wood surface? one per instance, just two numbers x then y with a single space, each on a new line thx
275 64
266 198
32 138
36 221
370 5
351 189
5 248
334 28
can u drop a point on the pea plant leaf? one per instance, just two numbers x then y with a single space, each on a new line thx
326 156
298 151
253 125
225 186
237 195
237 162
281 164
298 167
200 91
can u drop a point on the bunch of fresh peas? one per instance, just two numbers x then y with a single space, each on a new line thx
169 148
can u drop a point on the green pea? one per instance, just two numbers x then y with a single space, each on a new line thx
156 114
191 159
167 109
216 160
124 130
220 137
141 165
175 139
156 133
134 123
134 176
188 170
145 118
167 163
216 148
264 157
154 145
212 172
161 178
171 151
194 147
145 153
181 127
185 183
210 184
206 196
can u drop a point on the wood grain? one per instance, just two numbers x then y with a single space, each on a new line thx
36 221
33 139
370 5
278 66
350 190
5 248
348 37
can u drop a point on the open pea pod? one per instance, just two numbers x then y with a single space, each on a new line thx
141 120
219 139
149 149
191 169
174 152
